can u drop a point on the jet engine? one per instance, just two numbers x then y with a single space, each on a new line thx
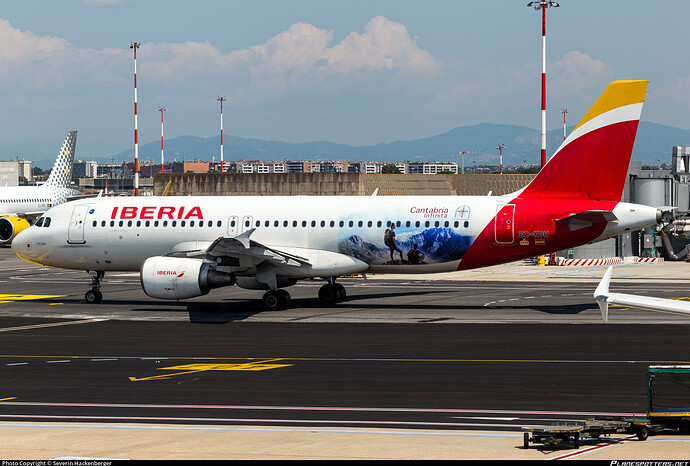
10 227
181 278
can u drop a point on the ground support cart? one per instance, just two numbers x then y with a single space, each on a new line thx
574 431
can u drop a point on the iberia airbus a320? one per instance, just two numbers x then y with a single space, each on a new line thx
186 246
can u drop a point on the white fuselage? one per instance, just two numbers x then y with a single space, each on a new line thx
120 233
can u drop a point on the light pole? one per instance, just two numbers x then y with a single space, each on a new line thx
543 5
565 110
135 46
500 148
221 99
162 109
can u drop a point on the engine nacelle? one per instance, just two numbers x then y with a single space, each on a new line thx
10 227
181 278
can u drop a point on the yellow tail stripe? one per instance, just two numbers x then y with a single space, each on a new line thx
618 94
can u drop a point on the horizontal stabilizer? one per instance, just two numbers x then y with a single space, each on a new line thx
587 219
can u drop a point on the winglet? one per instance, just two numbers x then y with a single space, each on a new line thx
600 294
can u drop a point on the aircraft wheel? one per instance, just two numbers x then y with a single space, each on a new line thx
93 296
271 301
340 292
328 294
285 298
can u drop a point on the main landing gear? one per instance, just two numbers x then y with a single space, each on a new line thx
276 299
94 295
329 294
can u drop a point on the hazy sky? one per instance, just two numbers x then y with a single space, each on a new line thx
355 72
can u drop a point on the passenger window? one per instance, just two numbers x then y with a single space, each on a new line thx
323 223
220 223
95 223
122 222
174 223
266 223
112 223
285 223
138 223
165 223
294 223
426 224
191 223
445 224
129 223
103 223
416 224
467 223
378 224
276 223
155 223
407 224
350 223
304 223
342 224
332 223
313 223
201 223
436 224
369 223
456 224
359 224
148 222
232 224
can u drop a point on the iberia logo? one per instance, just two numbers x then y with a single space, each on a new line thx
180 275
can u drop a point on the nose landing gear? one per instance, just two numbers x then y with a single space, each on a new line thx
94 295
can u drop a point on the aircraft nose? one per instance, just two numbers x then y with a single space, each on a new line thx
23 245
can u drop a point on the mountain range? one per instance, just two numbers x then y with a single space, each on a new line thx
653 146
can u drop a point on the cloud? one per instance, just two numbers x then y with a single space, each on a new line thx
20 47
385 45
577 71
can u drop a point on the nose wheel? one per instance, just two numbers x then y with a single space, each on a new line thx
94 295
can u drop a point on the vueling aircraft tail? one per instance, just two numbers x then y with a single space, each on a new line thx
61 173
592 162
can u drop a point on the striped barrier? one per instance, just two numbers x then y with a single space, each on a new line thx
648 259
586 262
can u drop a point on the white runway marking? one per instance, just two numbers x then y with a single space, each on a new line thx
53 324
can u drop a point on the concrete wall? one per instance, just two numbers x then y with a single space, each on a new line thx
334 184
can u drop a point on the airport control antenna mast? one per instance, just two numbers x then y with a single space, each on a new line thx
162 109
564 111
500 148
221 99
135 46
543 5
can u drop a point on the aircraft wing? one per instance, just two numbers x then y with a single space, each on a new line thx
587 219
250 252
604 298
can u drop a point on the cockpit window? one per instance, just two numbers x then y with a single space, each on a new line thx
46 223
40 222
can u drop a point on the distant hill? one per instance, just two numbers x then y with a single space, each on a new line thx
522 145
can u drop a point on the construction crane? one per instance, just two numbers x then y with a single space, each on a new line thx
462 154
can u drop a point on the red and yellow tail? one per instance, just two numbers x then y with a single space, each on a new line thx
592 162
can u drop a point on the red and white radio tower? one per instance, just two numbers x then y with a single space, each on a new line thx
543 5
221 99
135 46
500 157
162 109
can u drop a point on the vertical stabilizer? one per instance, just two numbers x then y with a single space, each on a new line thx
61 173
593 161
